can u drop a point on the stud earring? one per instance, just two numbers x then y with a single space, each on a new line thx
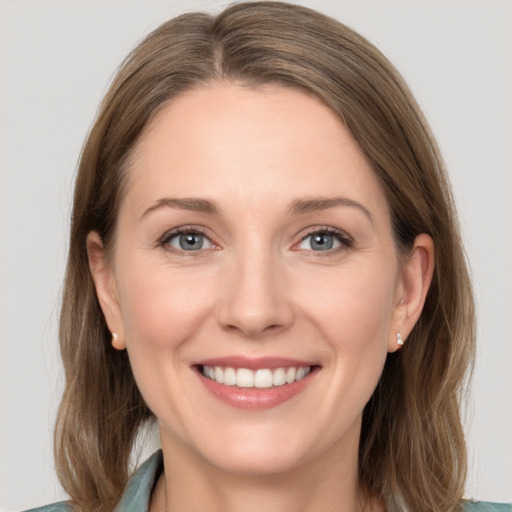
399 340
116 342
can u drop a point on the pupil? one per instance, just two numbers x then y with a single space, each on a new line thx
322 242
191 241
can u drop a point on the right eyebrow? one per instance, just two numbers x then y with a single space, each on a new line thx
186 203
300 206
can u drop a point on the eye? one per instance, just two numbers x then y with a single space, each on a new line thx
324 240
186 240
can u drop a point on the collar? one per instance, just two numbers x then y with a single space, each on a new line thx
138 491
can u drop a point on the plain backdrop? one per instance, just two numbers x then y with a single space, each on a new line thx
56 59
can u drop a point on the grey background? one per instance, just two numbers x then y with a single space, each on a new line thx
56 59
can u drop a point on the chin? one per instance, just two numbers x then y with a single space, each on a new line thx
265 461
260 450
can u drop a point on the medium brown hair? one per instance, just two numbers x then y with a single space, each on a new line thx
412 447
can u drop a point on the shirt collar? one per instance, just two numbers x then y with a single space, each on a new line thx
138 491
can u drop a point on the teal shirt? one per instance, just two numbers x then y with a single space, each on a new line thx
138 491
136 495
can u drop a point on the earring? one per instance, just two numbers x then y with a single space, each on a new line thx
399 340
116 342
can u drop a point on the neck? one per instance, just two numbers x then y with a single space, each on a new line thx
328 483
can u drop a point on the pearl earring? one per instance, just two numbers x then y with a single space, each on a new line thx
399 340
117 343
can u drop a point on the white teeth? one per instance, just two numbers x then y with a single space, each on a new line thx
279 377
229 377
219 374
290 375
262 378
244 378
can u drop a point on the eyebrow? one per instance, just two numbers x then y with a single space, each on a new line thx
190 204
300 206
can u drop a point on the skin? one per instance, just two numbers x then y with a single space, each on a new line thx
256 288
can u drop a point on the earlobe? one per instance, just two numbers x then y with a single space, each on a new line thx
416 277
104 282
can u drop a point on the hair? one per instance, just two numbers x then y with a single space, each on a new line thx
412 451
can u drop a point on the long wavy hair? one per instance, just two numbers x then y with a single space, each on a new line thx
412 451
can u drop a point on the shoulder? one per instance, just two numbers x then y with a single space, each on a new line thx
485 506
61 506
136 495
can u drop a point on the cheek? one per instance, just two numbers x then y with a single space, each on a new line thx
353 311
166 307
163 309
353 307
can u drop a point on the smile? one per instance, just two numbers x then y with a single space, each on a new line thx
255 384
261 378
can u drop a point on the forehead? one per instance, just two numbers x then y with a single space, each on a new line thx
251 145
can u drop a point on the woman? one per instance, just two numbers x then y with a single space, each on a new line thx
264 257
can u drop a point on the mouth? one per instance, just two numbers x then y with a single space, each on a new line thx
255 384
262 378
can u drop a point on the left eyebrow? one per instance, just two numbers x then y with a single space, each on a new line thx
186 203
300 206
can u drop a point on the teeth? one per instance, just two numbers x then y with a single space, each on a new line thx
244 378
229 377
262 378
290 375
279 377
219 374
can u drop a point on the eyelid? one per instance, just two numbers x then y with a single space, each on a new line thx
343 237
163 241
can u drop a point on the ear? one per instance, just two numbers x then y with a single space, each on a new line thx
416 276
106 290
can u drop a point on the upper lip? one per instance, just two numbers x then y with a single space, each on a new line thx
254 363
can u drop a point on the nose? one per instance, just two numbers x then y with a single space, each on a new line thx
254 301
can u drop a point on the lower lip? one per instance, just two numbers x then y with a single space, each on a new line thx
256 399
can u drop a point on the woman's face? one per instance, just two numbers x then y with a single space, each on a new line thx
254 246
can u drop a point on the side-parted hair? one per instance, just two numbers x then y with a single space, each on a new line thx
412 451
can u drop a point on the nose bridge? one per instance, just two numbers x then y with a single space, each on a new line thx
254 301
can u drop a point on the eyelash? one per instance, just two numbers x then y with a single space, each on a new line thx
346 241
184 230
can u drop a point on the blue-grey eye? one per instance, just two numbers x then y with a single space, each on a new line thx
190 242
320 241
